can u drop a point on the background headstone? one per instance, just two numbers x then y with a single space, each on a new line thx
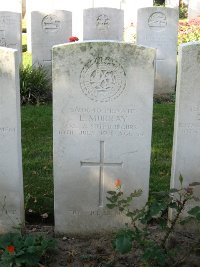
193 9
103 24
186 152
172 3
102 94
10 31
157 27
11 5
48 29
11 180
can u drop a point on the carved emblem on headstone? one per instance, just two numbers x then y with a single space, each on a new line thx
103 22
157 21
50 23
102 79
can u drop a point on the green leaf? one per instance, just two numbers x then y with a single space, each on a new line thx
123 243
111 192
181 179
173 205
110 206
187 220
198 216
194 211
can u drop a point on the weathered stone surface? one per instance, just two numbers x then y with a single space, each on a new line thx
47 30
157 27
103 24
11 180
102 95
10 31
193 9
186 152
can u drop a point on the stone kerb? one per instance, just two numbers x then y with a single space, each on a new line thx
11 180
103 24
10 31
102 94
186 152
157 27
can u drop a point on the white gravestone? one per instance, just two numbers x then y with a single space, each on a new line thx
172 3
158 27
102 94
103 24
11 5
10 31
193 9
49 29
186 152
11 180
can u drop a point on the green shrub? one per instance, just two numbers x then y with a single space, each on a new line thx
154 251
189 31
183 11
35 86
158 2
25 250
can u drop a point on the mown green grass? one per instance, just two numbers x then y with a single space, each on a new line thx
37 158
162 141
38 163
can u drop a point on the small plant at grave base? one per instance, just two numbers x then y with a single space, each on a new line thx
17 250
35 86
154 253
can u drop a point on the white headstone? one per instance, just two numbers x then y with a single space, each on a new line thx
158 27
49 29
186 152
103 24
11 180
172 3
102 94
11 5
193 9
10 31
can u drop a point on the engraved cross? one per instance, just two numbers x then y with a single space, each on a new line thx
101 165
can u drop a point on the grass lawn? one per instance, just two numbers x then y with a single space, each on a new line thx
37 154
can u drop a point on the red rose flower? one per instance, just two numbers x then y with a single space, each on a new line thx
10 249
73 39
118 183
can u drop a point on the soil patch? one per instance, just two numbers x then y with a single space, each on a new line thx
97 251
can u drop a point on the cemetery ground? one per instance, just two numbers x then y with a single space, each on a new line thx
95 250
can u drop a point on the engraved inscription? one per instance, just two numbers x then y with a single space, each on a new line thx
103 22
101 165
50 23
157 21
6 130
102 79
6 20
2 38
102 121
99 212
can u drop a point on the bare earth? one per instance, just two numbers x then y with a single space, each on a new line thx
97 251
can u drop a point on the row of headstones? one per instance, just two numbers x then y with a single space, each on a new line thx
102 124
193 7
157 27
